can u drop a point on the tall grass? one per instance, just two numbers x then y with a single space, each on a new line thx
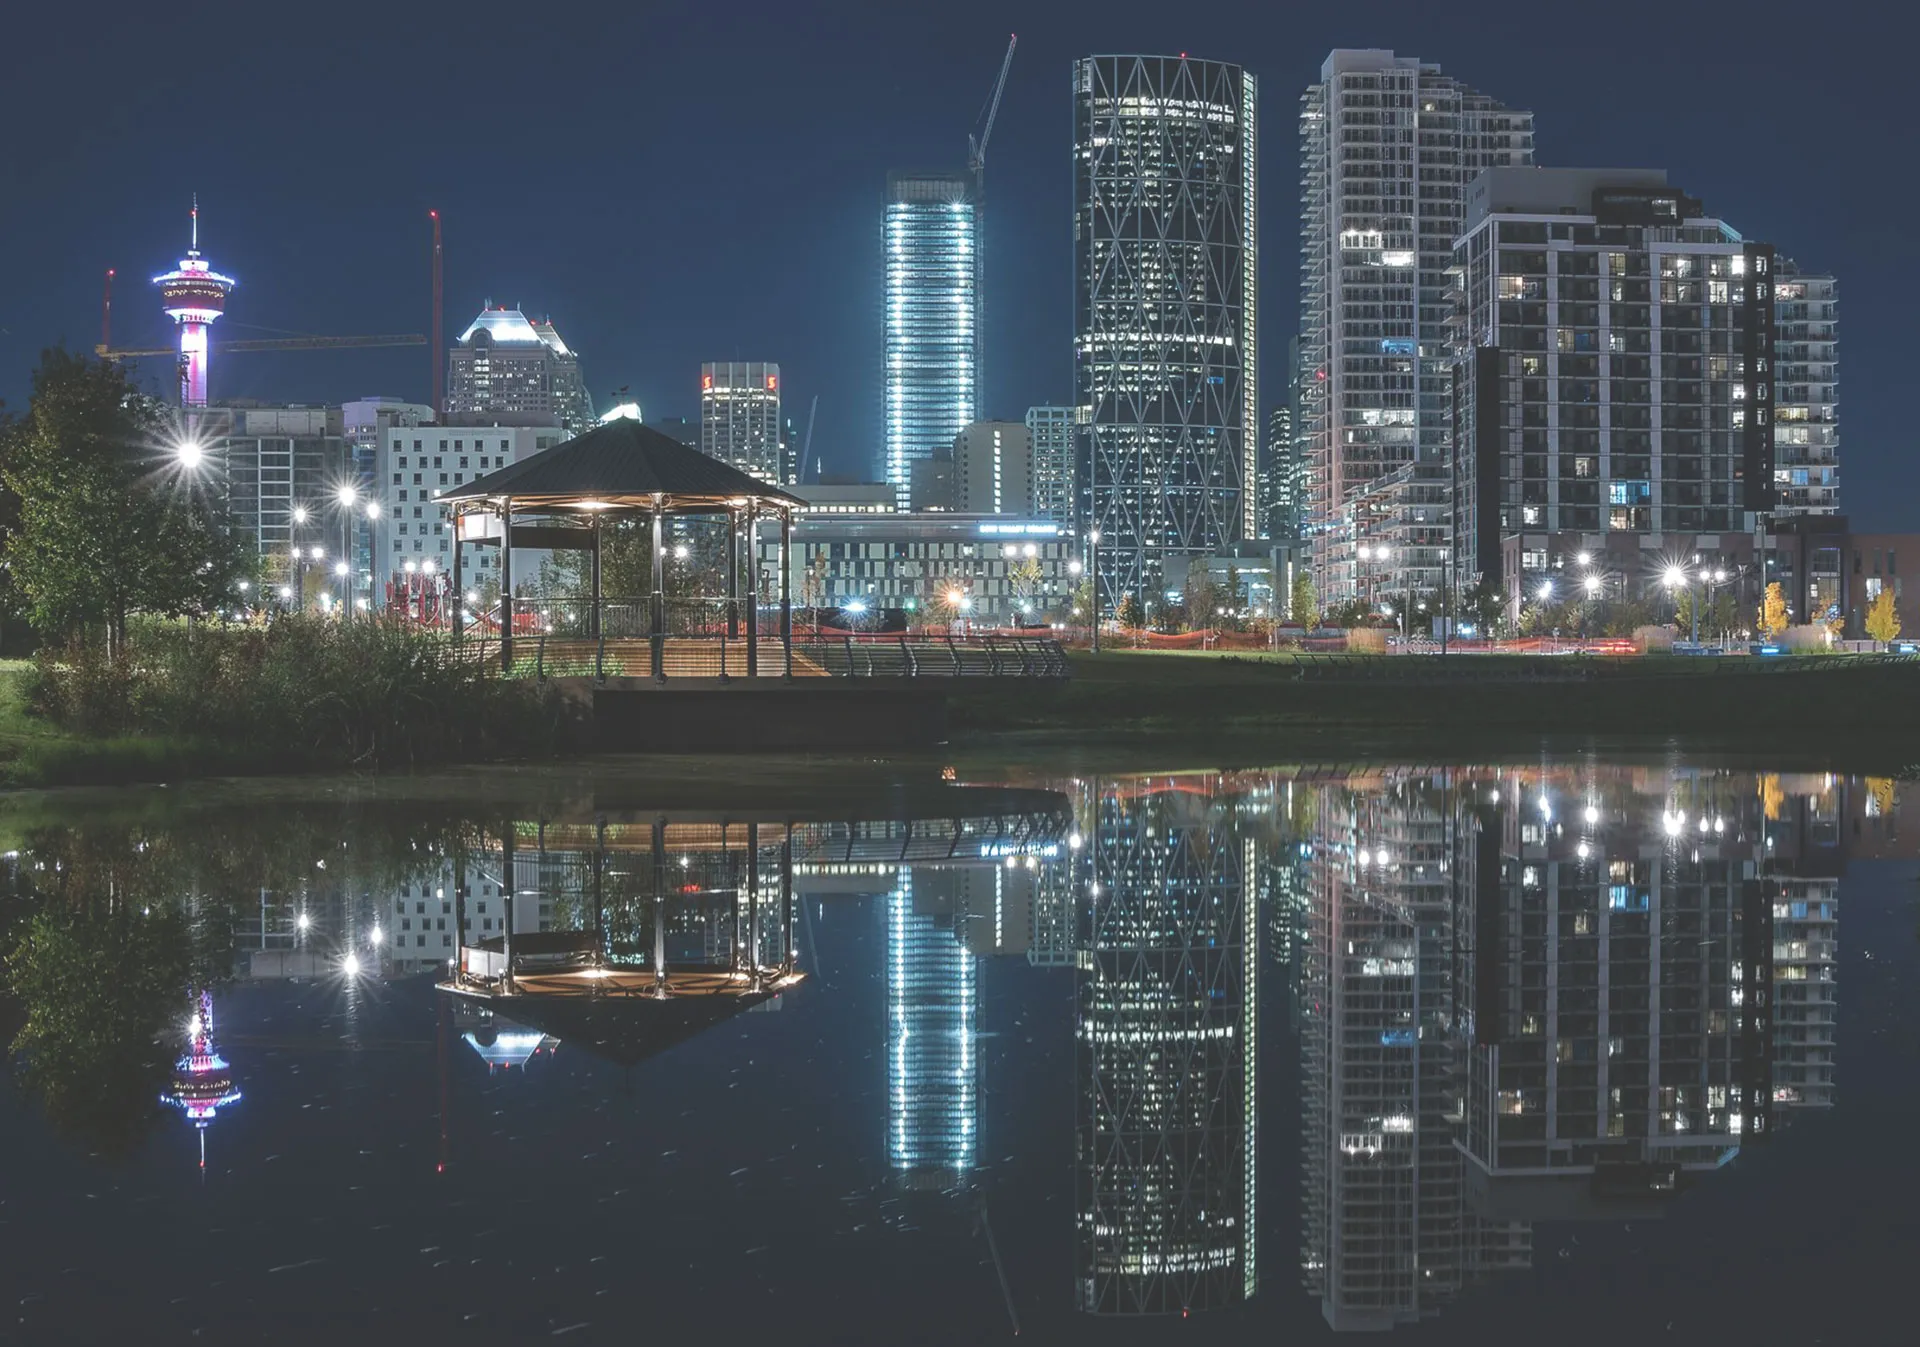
299 692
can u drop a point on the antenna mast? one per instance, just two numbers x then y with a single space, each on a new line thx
434 352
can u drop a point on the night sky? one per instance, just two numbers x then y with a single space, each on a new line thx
676 183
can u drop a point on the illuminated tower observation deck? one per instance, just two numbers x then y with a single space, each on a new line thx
193 296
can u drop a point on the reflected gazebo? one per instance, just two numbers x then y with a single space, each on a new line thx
682 919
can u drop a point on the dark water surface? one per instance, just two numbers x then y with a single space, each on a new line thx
1561 1052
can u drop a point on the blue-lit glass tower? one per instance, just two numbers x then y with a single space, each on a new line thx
932 254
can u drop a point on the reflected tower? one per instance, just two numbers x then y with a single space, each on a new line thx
932 1072
1167 983
202 1081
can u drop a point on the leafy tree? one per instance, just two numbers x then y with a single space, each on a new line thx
1023 578
110 521
1083 600
1883 619
1133 614
1773 611
1303 605
1484 606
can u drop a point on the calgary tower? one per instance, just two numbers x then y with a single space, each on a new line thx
193 296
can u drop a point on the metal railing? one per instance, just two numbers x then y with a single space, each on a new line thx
701 638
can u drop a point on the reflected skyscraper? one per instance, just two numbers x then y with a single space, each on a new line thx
932 1073
1618 1003
1167 989
1388 1237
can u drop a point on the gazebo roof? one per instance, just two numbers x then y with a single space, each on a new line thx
620 465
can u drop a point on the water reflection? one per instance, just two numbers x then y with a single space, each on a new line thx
1496 996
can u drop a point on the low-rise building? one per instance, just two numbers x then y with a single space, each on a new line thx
939 567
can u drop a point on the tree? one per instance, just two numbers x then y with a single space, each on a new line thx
1773 611
1132 614
1303 604
112 518
1484 606
1023 578
1883 619
100 989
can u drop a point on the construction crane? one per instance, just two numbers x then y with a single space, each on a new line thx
107 352
977 149
807 447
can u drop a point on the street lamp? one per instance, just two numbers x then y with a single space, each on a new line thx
1093 574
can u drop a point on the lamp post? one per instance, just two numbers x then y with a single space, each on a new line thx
1677 578
1592 584
1093 576
348 498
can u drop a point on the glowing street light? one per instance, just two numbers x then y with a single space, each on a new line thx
680 552
303 921
377 934
1546 590
1592 585
299 514
346 495
351 965
190 454
1585 558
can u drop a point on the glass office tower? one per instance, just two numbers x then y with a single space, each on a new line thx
932 242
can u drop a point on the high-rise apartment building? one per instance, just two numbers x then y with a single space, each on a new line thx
740 418
518 372
1614 394
993 469
1165 302
1054 457
931 242
1806 407
1387 146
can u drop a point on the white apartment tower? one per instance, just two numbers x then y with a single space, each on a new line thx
740 418
1052 432
1387 146
1806 434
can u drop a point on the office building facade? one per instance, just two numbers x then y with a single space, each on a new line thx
1165 311
740 419
418 465
985 569
1388 145
1280 482
517 371
930 243
993 469
1614 393
1053 433
280 470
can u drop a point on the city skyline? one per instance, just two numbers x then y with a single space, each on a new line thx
821 287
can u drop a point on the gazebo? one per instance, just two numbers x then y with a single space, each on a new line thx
624 470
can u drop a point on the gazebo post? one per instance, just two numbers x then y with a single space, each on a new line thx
660 907
786 591
733 574
599 897
593 614
453 617
753 903
507 885
786 901
753 589
657 618
506 584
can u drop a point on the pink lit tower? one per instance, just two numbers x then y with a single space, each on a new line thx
193 296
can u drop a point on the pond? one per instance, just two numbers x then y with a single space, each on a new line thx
1571 1048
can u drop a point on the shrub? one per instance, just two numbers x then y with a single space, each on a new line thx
368 693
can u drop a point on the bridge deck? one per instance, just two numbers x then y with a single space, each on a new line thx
631 658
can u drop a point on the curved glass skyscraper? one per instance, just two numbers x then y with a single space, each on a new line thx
932 241
1164 294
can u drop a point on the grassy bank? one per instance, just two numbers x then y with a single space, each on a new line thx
1750 701
300 695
